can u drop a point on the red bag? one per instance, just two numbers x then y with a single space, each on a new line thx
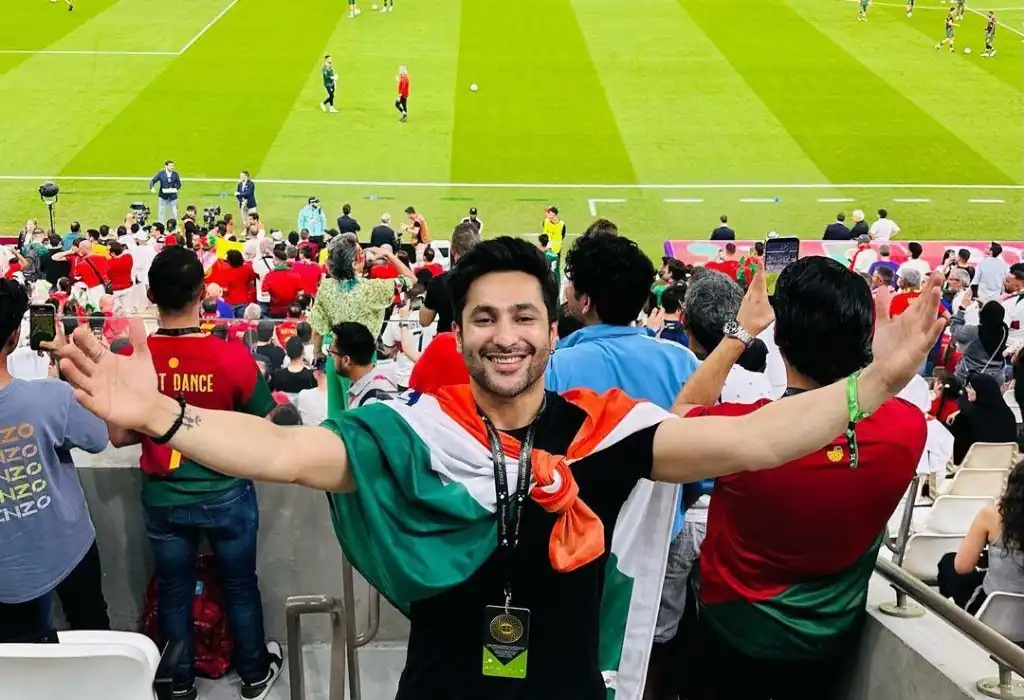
213 642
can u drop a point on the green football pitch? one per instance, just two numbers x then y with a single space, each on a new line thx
658 114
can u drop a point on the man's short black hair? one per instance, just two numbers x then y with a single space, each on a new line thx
602 227
346 209
964 254
759 248
824 319
840 216
294 348
883 214
885 274
234 258
265 331
915 249
676 269
410 210
724 219
175 279
502 254
672 298
293 238
304 331
76 227
13 306
209 306
614 273
356 341
996 249
280 253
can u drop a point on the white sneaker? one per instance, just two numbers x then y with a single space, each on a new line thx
260 690
332 110
358 12
323 107
391 9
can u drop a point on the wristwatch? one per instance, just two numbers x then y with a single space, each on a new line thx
733 329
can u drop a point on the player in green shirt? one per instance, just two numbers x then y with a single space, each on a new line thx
330 82
862 13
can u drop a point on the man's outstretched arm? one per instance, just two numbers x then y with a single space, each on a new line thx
123 391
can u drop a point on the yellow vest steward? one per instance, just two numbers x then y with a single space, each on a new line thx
555 233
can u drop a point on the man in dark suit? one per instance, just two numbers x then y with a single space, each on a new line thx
245 193
723 232
837 231
383 234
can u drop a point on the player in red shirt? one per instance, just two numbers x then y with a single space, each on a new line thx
402 103
282 284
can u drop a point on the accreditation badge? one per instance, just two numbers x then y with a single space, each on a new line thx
506 641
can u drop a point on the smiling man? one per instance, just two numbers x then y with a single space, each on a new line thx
487 513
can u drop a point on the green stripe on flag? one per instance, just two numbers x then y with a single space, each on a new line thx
408 533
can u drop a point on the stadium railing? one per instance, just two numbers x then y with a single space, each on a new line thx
1009 657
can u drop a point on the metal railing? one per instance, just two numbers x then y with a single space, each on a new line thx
345 640
1008 656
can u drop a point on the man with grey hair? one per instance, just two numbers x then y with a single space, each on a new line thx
957 283
383 234
438 301
884 260
908 282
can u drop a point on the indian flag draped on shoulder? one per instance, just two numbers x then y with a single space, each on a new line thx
423 516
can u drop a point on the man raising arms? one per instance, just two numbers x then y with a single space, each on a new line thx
505 304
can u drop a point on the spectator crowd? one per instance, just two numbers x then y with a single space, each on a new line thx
764 579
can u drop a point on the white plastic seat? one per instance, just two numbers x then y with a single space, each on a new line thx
949 515
976 482
84 666
990 455
923 551
1004 612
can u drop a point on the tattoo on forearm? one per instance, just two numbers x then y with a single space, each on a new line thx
190 420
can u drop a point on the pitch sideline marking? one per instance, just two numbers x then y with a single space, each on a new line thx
987 201
202 31
592 203
179 52
534 185
1004 25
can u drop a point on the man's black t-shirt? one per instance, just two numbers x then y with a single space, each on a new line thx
273 353
52 270
346 224
438 299
292 382
445 655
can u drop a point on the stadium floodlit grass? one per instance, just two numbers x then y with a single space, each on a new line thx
671 111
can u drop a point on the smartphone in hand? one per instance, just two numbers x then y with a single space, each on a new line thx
778 253
42 325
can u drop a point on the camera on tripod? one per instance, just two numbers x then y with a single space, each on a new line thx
210 215
140 212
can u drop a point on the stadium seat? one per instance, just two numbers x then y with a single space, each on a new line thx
1004 612
949 515
444 252
88 666
976 482
990 455
923 551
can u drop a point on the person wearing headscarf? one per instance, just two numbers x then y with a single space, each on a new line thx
345 295
984 417
981 346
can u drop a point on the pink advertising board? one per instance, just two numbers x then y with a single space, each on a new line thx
700 252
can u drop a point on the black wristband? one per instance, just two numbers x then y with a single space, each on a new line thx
175 426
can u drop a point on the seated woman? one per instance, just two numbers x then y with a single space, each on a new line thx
1000 528
945 401
985 417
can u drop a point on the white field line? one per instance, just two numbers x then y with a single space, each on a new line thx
47 52
592 203
911 200
758 200
186 47
1004 25
527 185
987 201
683 200
202 31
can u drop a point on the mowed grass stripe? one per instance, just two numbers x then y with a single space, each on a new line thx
987 113
541 114
852 124
670 97
1006 65
219 106
365 141
31 26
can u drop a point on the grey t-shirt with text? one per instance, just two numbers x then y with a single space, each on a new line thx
45 528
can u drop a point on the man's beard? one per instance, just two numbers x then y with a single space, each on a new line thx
476 364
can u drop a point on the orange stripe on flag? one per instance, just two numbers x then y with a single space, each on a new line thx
578 535
175 460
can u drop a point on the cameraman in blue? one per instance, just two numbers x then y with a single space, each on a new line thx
166 184
312 218
609 280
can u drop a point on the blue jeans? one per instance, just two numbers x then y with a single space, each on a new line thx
230 522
